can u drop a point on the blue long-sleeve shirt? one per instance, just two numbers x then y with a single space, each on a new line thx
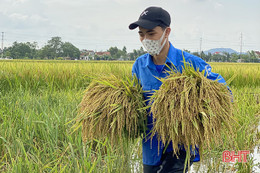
146 71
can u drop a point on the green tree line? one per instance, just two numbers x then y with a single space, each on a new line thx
55 48
117 54
250 56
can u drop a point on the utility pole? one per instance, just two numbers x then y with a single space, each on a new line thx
241 43
200 46
2 48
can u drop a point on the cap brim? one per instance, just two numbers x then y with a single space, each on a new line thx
144 24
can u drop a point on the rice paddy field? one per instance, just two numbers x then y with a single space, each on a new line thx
39 101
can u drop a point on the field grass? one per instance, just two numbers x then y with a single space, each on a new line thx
39 99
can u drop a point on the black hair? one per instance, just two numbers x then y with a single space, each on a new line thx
163 26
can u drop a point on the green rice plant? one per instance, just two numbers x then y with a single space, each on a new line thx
112 107
247 74
191 110
39 98
55 75
34 135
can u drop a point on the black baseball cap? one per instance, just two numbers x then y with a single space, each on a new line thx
152 17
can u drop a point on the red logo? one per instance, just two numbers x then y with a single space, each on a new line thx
241 156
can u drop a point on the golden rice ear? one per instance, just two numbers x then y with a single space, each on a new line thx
190 109
112 108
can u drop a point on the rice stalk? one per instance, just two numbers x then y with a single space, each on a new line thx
191 110
113 108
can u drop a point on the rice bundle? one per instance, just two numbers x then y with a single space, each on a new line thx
114 108
190 109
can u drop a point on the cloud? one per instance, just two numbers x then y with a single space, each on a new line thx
127 1
35 18
15 2
98 24
18 16
196 0
218 5
21 1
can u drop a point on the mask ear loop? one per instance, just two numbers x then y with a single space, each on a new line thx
163 42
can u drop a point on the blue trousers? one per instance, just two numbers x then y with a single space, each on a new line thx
170 164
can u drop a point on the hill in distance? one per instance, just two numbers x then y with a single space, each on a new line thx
227 50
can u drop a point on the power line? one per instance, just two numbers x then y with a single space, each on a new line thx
241 42
200 45
87 42
2 45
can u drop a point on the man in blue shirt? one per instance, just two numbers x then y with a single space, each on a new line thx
154 31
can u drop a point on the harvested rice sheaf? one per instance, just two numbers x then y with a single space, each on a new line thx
113 108
191 110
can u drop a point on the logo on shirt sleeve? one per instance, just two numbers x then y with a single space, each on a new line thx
208 69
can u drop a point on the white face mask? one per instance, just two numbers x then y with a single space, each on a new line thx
154 47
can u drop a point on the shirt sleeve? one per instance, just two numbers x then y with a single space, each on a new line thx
134 70
211 75
203 66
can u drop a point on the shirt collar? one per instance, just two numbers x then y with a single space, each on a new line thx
172 55
149 62
171 58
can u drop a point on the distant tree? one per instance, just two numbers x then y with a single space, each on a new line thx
7 53
226 57
53 49
21 50
209 57
117 53
204 56
246 58
96 57
136 53
114 52
124 50
234 57
141 51
56 48
253 56
131 56
124 54
69 50
196 54
46 52
185 50
217 57
106 57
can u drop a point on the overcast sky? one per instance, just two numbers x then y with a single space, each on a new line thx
100 24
